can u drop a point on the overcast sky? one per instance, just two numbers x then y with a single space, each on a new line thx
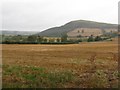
38 15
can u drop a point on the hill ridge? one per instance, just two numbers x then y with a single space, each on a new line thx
64 29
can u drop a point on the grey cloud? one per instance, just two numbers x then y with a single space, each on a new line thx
42 14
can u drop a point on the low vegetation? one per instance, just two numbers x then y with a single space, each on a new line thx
30 76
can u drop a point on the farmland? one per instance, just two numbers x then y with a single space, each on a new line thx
84 65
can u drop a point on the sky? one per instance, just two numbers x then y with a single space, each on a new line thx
39 15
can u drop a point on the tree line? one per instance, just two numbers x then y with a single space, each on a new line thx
36 39
32 39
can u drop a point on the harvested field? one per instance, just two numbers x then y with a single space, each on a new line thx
84 65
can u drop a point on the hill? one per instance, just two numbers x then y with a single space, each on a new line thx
64 29
5 32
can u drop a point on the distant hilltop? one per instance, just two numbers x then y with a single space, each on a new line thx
80 27
12 32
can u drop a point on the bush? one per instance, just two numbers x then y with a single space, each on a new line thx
98 38
90 39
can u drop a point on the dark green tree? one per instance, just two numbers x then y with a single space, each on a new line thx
44 40
90 39
80 40
98 38
39 39
64 38
16 38
32 38
58 40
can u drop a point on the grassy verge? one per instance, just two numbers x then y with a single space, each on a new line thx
30 76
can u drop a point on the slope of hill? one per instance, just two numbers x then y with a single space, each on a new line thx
58 31
18 32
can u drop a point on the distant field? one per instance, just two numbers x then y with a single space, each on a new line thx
89 32
69 66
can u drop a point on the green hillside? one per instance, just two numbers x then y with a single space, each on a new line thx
58 31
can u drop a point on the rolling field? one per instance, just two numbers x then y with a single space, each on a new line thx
84 65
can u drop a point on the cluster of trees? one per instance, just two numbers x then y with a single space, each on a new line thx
97 38
21 39
33 39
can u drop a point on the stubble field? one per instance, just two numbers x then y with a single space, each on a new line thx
84 65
